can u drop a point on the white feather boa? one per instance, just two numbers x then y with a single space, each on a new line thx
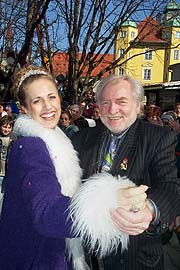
60 149
90 209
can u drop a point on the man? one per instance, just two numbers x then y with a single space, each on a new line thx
127 146
77 118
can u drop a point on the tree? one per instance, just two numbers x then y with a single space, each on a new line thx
85 29
92 28
36 11
22 19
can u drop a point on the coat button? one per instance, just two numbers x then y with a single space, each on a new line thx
121 261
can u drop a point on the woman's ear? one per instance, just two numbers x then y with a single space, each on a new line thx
24 109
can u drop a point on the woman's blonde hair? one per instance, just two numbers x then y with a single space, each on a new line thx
24 76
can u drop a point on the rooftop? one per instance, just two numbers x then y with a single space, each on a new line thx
60 64
150 31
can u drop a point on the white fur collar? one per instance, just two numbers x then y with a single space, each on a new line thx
61 151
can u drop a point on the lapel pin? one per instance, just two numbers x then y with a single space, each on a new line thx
124 164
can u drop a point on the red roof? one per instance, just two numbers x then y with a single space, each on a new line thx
150 31
60 64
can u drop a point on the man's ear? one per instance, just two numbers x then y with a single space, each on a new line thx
138 109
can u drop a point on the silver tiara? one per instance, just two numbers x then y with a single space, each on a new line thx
30 73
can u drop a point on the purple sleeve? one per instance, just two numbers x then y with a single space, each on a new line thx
45 203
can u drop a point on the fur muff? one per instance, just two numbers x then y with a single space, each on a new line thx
90 209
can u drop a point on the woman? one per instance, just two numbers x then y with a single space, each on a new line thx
153 115
95 114
65 124
43 175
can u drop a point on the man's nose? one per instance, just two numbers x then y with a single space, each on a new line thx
114 108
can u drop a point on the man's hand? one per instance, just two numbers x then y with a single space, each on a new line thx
130 222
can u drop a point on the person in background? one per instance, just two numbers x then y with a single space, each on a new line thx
177 111
128 146
2 111
43 180
171 121
171 238
96 114
7 137
84 109
77 118
153 115
65 124
10 112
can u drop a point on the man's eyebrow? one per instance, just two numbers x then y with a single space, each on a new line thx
120 98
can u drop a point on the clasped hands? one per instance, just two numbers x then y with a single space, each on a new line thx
135 212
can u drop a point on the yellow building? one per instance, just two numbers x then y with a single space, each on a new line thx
148 49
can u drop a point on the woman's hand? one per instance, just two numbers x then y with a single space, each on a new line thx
135 212
132 198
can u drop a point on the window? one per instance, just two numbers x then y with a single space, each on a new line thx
121 52
132 34
121 71
148 55
177 35
123 34
167 35
176 54
147 74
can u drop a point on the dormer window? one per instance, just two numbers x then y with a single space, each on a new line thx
122 34
148 55
176 54
132 34
177 34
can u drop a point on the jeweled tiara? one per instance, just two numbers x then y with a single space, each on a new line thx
30 73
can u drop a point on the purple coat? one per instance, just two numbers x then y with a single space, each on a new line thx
33 224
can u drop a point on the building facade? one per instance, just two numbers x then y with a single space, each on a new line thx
150 52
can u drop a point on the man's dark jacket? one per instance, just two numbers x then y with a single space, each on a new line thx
150 154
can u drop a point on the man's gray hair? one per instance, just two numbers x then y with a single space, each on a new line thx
137 88
76 106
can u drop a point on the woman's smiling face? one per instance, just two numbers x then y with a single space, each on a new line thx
43 103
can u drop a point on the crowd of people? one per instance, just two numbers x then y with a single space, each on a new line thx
94 185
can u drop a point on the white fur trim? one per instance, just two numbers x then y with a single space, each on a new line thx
77 255
62 153
90 209
67 168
